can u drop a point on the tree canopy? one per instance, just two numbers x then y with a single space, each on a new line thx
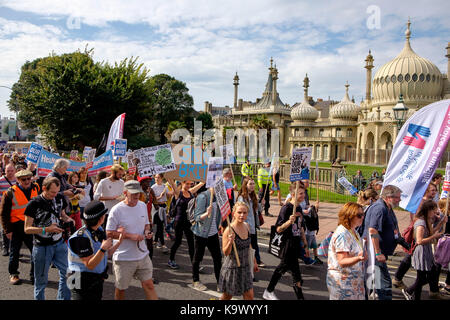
72 100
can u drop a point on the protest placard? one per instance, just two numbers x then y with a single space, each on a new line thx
153 160
222 199
86 152
120 147
34 152
215 168
47 159
73 154
227 153
300 162
347 185
102 162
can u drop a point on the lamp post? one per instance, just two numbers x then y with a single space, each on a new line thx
400 112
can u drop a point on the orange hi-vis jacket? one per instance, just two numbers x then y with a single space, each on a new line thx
19 203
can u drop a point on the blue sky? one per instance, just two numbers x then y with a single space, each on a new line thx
203 43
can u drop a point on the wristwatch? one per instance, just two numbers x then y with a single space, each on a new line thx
102 250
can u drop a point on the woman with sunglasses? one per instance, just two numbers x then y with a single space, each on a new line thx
182 195
346 256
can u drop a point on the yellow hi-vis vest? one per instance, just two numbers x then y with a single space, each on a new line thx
246 170
264 177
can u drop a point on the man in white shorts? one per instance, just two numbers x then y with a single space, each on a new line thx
131 259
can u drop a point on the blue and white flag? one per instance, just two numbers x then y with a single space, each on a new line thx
417 150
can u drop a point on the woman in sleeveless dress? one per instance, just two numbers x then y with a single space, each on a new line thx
234 280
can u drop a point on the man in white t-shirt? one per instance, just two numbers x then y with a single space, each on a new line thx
110 190
131 259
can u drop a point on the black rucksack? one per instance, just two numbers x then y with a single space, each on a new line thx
312 221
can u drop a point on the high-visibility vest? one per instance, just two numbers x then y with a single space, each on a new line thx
264 177
246 170
19 203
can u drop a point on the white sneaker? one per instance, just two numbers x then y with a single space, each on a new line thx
269 295
197 285
165 249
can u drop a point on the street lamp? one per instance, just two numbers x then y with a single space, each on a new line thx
400 112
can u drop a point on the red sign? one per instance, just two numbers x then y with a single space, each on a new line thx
446 186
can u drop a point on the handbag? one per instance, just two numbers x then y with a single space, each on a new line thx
442 252
261 218
322 250
277 242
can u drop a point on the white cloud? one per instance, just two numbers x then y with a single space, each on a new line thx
203 43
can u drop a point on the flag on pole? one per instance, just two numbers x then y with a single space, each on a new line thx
417 150
115 132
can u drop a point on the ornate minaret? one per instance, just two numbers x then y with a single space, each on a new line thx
236 84
306 86
274 82
369 67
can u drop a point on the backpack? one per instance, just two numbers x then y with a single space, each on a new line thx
312 221
442 253
408 235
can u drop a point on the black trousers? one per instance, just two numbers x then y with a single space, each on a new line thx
18 237
91 287
266 196
423 277
254 242
5 241
213 245
403 268
288 263
159 235
183 226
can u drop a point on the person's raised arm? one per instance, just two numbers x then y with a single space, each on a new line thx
176 190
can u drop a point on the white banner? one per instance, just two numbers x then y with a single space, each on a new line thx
154 160
417 150
214 174
115 132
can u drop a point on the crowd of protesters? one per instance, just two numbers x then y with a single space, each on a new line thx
76 223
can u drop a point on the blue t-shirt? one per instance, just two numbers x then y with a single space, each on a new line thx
380 217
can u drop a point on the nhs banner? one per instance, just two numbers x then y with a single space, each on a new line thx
417 151
102 162
47 159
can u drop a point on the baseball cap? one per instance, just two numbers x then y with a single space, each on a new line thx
133 186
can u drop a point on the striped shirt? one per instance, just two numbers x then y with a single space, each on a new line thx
4 185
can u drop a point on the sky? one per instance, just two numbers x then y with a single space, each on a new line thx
204 43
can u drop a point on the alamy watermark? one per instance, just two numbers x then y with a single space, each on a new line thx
374 19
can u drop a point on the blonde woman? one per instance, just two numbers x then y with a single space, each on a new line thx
234 280
346 256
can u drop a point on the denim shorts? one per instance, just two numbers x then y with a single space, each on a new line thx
312 244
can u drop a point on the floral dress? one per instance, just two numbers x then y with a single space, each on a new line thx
345 283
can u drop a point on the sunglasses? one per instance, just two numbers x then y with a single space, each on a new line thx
25 179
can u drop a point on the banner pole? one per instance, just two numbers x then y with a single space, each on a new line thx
234 244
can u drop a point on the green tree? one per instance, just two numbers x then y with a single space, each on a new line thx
173 125
170 100
73 101
206 119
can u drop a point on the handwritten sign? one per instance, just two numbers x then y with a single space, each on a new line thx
153 160
300 162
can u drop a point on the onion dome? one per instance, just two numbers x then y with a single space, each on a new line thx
415 77
303 111
346 109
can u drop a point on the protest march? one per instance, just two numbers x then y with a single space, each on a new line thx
119 206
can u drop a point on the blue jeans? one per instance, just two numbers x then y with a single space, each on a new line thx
383 282
43 257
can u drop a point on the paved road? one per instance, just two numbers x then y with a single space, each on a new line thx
173 284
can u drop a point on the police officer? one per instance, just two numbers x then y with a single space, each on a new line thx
88 254
246 170
264 182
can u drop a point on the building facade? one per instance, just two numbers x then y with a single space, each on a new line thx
362 133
